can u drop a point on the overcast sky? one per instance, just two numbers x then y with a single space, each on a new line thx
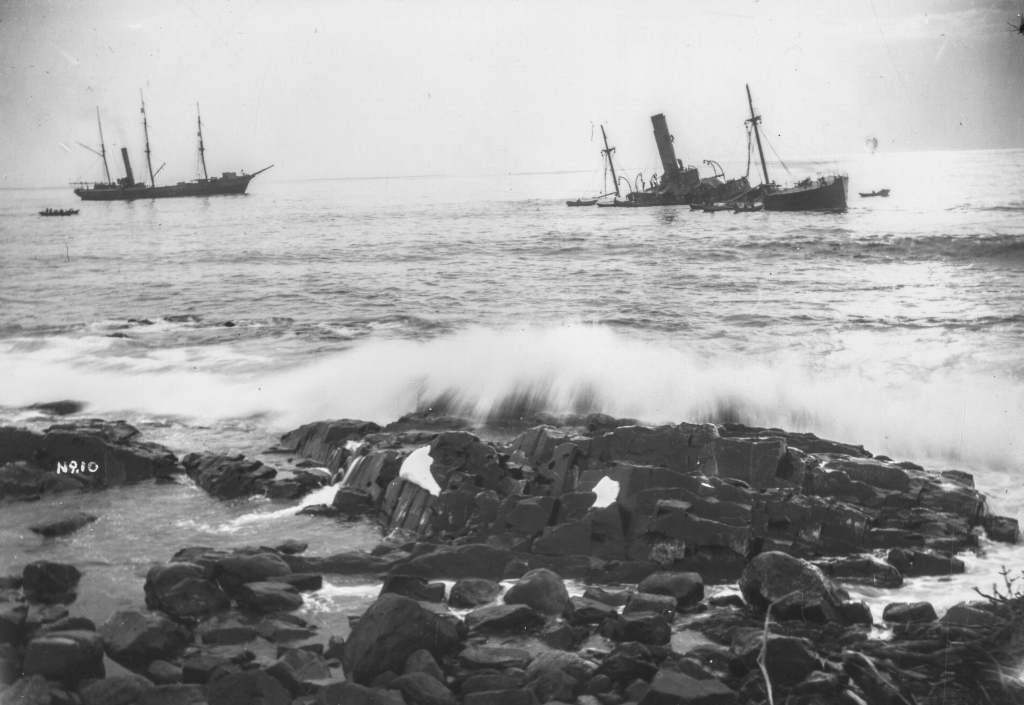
342 89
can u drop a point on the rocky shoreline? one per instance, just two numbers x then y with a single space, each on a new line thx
784 517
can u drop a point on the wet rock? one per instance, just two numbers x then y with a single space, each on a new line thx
416 588
423 661
76 623
627 662
565 661
913 564
299 670
644 627
862 570
189 598
559 635
498 657
796 589
49 582
580 610
233 572
674 688
540 589
501 697
352 694
30 690
613 598
40 615
269 597
20 480
471 592
352 502
134 639
64 525
228 477
347 563
164 673
665 605
967 615
636 691
173 694
116 690
504 618
454 562
200 667
788 659
65 656
1004 529
12 621
292 547
686 588
421 689
909 612
225 629
247 687
303 582
393 628
553 686
10 663
277 630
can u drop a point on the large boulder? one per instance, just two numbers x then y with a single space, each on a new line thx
246 688
788 659
472 592
181 591
504 618
794 588
30 690
116 690
392 629
686 588
299 670
134 639
62 526
228 477
233 572
45 581
540 589
269 597
67 656
421 689
675 688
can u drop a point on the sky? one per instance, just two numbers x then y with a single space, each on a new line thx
372 89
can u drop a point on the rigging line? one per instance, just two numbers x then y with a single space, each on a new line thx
895 68
772 147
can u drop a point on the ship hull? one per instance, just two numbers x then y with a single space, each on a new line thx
225 186
828 194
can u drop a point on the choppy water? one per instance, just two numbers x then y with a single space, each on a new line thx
897 325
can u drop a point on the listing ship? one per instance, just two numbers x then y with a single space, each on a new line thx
824 193
126 189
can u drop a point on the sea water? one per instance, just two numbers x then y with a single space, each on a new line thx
217 324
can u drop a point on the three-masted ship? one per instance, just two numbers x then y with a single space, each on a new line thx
127 189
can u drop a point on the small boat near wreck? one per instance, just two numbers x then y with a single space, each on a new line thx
49 212
581 202
126 189
824 193
884 193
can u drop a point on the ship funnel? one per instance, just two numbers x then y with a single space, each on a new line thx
665 148
129 179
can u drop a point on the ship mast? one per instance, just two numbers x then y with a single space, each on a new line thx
202 158
103 147
607 151
754 119
145 129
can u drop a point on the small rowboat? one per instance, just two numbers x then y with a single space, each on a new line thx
581 202
884 193
50 212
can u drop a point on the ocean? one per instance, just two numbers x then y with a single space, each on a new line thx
217 324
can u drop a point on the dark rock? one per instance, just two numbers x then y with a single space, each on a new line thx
665 605
134 639
303 582
499 657
674 688
504 618
636 691
644 627
423 661
42 614
795 588
292 547
173 694
352 694
788 659
30 690
228 477
580 610
686 588
225 629
234 571
612 598
49 582
20 480
909 612
421 689
564 661
200 667
558 635
247 687
67 624
862 570
967 615
393 628
64 525
501 697
913 564
12 621
1003 529
352 501
277 630
192 598
164 673
531 514
116 690
598 684
728 600
553 686
627 662
413 587
65 656
489 681
878 688
298 670
473 560
269 597
471 592
540 589
347 563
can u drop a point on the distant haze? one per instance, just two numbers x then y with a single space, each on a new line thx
349 89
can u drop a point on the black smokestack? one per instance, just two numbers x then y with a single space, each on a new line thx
129 179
